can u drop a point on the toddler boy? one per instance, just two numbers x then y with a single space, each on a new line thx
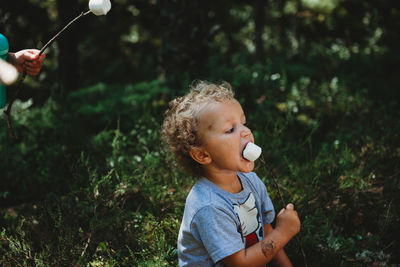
228 213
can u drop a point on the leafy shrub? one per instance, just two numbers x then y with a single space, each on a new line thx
90 184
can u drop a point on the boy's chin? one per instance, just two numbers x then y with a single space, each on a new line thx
248 167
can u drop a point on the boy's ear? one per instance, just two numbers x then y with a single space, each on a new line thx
200 155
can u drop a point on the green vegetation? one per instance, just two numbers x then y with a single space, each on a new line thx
88 183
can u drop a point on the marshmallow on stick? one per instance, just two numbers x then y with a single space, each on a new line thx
99 7
251 151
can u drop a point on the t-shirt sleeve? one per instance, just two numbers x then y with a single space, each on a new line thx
267 208
218 232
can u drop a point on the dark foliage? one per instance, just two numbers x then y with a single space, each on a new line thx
88 183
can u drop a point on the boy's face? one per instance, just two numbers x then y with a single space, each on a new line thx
224 136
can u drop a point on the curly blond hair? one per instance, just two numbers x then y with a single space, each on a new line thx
180 127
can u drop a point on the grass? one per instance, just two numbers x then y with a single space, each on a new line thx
93 187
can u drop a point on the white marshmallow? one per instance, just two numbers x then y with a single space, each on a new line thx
8 73
99 7
251 151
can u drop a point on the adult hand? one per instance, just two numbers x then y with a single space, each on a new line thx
27 60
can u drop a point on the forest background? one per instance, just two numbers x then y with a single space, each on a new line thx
88 183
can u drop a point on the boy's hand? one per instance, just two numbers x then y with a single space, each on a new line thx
28 60
288 222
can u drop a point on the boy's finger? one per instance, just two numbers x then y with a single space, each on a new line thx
280 212
290 206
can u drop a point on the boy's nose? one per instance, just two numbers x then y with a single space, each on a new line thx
245 131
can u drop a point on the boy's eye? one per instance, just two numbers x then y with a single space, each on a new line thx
230 130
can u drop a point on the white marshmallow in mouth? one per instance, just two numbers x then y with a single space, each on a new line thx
99 7
251 151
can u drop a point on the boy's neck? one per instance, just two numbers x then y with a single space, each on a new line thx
229 182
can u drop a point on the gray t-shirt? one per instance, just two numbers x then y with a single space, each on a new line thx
217 224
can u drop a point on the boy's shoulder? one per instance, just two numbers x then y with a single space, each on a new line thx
202 195
202 191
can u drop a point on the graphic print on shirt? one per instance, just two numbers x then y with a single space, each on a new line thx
248 217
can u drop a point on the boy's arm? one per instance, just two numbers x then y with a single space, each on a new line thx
259 254
280 259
